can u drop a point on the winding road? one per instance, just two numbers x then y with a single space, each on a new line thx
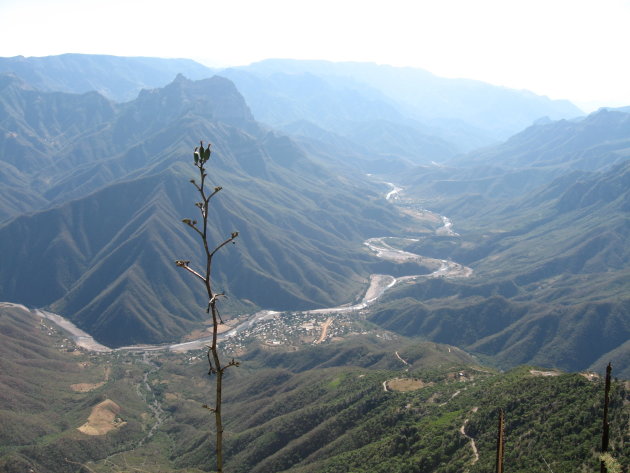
473 445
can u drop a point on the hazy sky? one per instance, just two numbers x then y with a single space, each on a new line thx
574 49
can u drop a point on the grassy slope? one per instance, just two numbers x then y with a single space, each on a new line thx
550 285
318 409
39 410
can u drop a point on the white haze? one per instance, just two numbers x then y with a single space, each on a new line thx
571 49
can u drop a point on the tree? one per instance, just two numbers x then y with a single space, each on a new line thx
217 367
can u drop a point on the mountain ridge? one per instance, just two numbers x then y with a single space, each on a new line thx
97 232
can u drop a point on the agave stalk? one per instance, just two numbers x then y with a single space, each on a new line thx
216 366
500 443
605 424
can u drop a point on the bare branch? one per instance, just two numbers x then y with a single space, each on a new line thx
216 296
211 370
192 224
218 313
232 238
184 264
194 183
232 363
216 191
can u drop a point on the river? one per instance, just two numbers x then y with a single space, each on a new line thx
378 285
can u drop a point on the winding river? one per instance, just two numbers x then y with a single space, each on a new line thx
379 284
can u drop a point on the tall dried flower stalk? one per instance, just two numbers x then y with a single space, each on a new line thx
201 156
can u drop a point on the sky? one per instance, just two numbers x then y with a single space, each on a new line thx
564 49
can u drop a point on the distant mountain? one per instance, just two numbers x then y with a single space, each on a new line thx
93 190
117 78
599 140
92 193
397 115
35 126
118 189
551 277
418 94
562 151
364 116
283 97
37 123
444 116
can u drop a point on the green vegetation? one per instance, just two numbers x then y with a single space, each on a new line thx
542 218
48 389
551 272
312 410
104 189
89 188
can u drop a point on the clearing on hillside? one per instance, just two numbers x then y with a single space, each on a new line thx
103 418
405 384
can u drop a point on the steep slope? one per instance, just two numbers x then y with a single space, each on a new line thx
364 404
362 115
106 258
443 116
142 133
50 118
48 390
362 429
539 160
594 142
551 278
35 127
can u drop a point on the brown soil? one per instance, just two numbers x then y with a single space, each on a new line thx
87 387
103 418
325 326
405 384
545 373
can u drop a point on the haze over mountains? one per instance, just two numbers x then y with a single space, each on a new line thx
93 190
118 189
525 197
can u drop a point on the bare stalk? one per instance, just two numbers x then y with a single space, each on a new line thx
500 443
215 365
605 424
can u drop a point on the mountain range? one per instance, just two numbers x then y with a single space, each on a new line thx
315 160
115 190
92 192
350 100
547 239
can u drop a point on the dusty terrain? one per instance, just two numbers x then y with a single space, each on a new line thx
405 384
103 418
